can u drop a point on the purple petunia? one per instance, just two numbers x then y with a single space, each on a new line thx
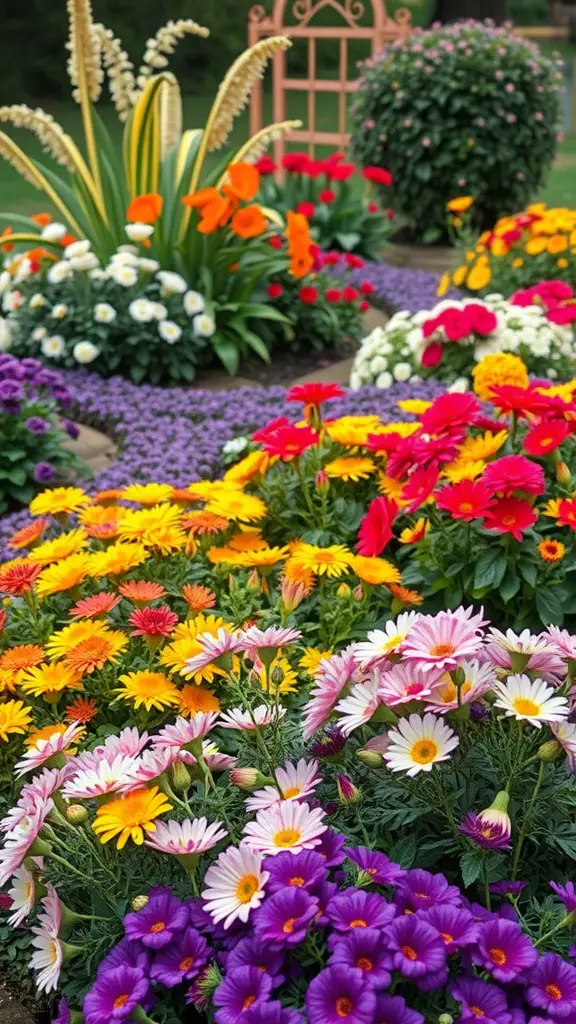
63 1012
125 954
271 1013
418 947
335 995
253 952
480 1001
420 889
240 989
324 894
115 995
367 950
381 869
37 425
331 848
43 472
504 950
284 917
302 870
182 960
456 925
566 893
393 1010
553 986
355 908
507 888
162 917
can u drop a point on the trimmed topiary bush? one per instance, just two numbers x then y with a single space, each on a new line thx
462 108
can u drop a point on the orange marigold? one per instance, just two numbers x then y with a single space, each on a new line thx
404 594
196 698
93 652
141 592
28 535
204 522
18 577
198 597
95 606
82 710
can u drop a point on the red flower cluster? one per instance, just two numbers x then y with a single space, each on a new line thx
556 297
157 622
282 438
458 323
334 168
378 175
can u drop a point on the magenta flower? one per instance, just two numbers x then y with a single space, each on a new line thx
504 950
182 960
162 917
302 870
456 925
507 888
566 893
253 952
125 954
335 995
271 1013
367 950
419 948
355 908
115 995
381 869
553 986
242 988
284 918
393 1010
480 1001
492 835
420 889
330 744
330 848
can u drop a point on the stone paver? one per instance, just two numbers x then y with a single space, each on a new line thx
93 447
339 373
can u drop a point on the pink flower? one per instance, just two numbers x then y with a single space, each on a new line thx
185 730
333 675
49 955
441 641
358 707
107 776
43 750
191 836
287 826
248 721
297 782
19 840
214 648
405 682
514 473
254 639
426 141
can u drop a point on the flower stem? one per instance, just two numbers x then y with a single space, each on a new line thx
526 821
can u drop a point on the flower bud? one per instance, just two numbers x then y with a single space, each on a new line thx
347 791
358 593
276 676
549 751
445 1018
139 902
371 758
322 482
563 474
76 814
343 591
254 585
292 594
249 779
181 778
497 814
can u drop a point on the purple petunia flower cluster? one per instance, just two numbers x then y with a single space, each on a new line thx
24 381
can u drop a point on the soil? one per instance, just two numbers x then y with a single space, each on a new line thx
287 366
13 1010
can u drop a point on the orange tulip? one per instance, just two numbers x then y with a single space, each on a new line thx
249 222
243 182
42 219
7 246
35 255
145 209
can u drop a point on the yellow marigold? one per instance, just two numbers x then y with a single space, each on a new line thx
223 556
15 719
165 539
331 561
534 246
479 275
412 534
59 501
375 571
416 406
463 469
498 247
247 540
391 487
352 431
117 559
311 659
262 558
350 468
63 575
15 661
483 446
256 464
130 816
244 508
443 284
196 698
551 550
460 204
65 639
50 680
136 523
280 678
557 244
400 593
561 263
147 494
97 515
148 689
496 369
59 547
459 275
94 652
552 508
517 262
184 645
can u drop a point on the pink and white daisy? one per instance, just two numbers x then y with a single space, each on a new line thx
107 777
404 682
382 643
254 640
562 642
49 955
333 676
565 733
478 680
418 743
530 700
149 766
358 707
185 730
235 885
441 641
44 749
35 794
20 840
191 836
23 893
286 826
129 743
520 646
216 761
297 782
547 664
214 648
247 721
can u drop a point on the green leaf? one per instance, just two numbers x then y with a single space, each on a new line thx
348 240
431 235
490 568
228 354
510 584
549 605
528 571
17 476
471 867
403 852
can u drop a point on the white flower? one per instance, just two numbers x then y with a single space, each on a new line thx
11 301
5 281
37 301
204 325
384 380
5 335
77 249
59 311
297 782
381 643
288 825
148 266
234 884
104 313
418 743
53 347
355 380
530 700
159 311
23 270
459 386
235 446
378 365
39 333
141 310
85 352
125 275
125 258
88 261
138 232
53 232
402 371
358 707
23 896
170 331
193 303
98 274
59 272
540 346
172 284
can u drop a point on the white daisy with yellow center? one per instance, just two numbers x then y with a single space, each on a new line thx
287 826
530 700
381 643
234 884
418 743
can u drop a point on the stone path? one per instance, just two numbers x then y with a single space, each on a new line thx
94 448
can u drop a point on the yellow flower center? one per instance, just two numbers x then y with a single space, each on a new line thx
288 925
292 791
358 922
442 650
508 520
424 751
477 1011
248 1003
186 964
246 888
498 956
553 991
525 706
364 963
447 937
297 880
158 927
409 953
466 506
287 837
120 1002
344 1007
393 641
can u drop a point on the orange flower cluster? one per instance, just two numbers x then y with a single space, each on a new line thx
218 208
299 244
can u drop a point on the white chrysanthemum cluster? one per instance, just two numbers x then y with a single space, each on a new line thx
120 70
51 136
163 44
394 353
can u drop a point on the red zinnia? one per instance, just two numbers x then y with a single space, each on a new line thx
332 295
419 487
327 196
18 578
468 500
450 411
308 295
290 442
265 165
340 172
432 355
562 315
314 393
274 291
306 209
158 621
265 432
379 175
514 473
366 288
364 306
95 606
546 437
373 208
355 262
297 163
511 398
511 515
350 294
376 528
275 242
567 513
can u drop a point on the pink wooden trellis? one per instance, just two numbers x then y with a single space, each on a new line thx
384 29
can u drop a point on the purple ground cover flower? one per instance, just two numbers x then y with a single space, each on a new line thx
43 472
115 995
284 917
456 925
420 889
367 950
125 954
566 893
481 1001
418 947
182 960
504 950
241 989
335 995
162 917
381 869
254 952
553 986
303 870
355 908
393 1010
402 287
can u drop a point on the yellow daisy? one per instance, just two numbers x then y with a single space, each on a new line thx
65 639
95 515
352 431
117 559
482 447
256 464
403 427
552 508
248 539
311 659
331 561
59 547
391 487
165 539
63 575
50 730
413 405
195 698
184 645
375 571
224 555
245 508
148 689
50 680
15 719
59 501
463 469
147 494
130 816
137 522
208 489
350 468
263 558
412 534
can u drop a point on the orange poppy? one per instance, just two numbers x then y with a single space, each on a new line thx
249 222
201 198
243 182
42 219
214 215
7 246
146 208
38 254
67 239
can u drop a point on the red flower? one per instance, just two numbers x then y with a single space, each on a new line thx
6 901
265 432
306 209
376 528
567 513
275 241
327 196
274 290
314 393
379 175
18 579
158 621
3 619
562 315
546 437
468 500
95 606
296 163
289 442
390 213
331 259
450 411
364 306
432 355
366 288
332 295
511 515
482 320
514 473
265 165
340 172
510 398
420 485
350 294
308 295
373 208
356 262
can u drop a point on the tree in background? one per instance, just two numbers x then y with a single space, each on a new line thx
454 10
